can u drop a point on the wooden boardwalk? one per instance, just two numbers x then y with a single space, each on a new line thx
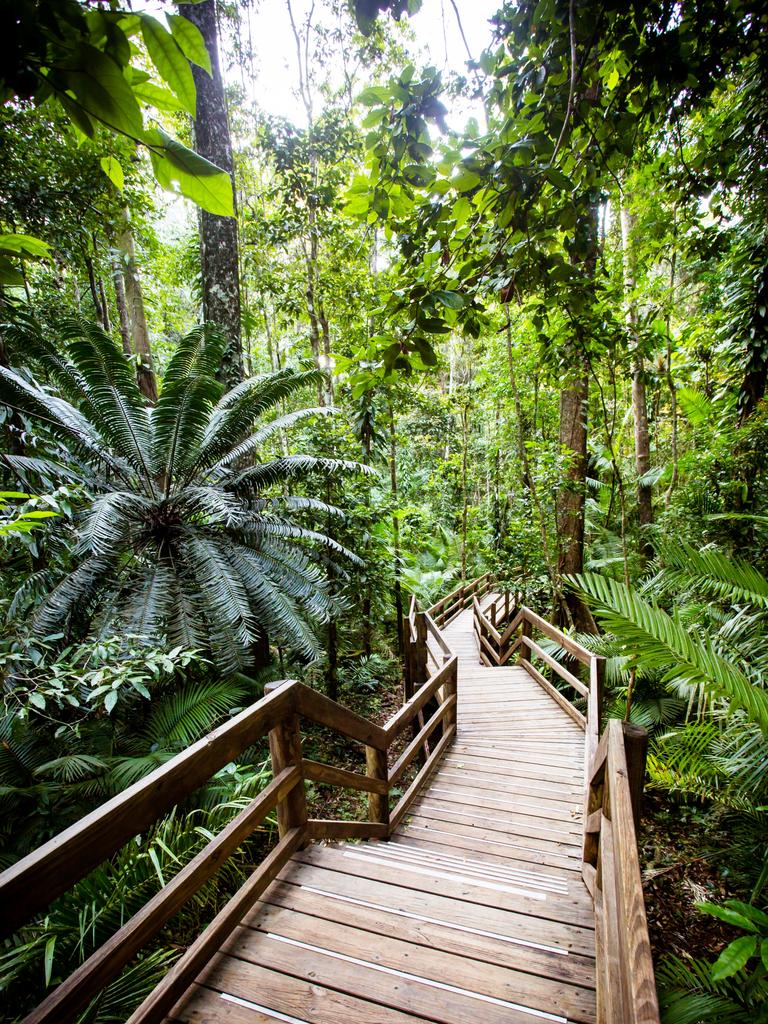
473 910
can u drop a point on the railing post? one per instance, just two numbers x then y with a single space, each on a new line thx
636 750
285 750
421 672
376 767
525 631
452 690
408 667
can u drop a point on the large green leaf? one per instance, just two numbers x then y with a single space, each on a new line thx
194 176
190 39
101 90
734 957
170 61
157 96
652 640
24 245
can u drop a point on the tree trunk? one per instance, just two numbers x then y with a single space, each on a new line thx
218 235
574 400
122 307
134 302
395 527
639 401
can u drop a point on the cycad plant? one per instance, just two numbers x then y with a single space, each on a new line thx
189 531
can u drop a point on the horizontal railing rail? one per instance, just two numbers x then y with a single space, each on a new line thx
29 886
615 767
448 607
626 990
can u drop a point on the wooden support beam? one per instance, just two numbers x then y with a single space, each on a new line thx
376 768
332 830
563 701
413 790
106 963
333 776
175 983
285 751
52 869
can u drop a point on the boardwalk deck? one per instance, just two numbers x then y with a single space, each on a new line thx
475 907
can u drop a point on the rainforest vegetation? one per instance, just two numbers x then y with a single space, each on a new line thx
262 380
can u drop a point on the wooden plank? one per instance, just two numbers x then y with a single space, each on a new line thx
503 853
564 703
333 776
384 976
325 711
417 742
183 973
474 941
558 847
332 829
574 648
533 813
637 961
401 718
573 909
31 884
612 994
410 794
524 922
302 998
107 962
502 983
202 1005
503 823
553 663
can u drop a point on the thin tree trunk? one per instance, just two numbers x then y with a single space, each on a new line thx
465 495
668 368
140 344
574 405
639 401
395 527
218 235
122 307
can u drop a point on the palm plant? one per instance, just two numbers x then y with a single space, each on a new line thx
188 531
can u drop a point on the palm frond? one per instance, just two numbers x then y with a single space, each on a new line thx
189 391
711 572
185 715
653 640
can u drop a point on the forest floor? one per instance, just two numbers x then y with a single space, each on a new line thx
683 850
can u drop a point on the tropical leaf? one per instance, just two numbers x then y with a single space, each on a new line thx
653 640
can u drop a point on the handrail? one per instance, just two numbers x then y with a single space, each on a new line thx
626 992
498 639
448 607
30 885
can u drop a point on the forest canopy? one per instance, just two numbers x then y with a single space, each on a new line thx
281 351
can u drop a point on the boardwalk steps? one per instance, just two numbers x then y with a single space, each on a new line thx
481 894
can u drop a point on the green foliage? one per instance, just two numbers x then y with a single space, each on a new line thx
83 59
182 536
653 640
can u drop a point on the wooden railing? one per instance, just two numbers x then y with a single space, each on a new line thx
615 769
30 885
448 607
503 628
626 991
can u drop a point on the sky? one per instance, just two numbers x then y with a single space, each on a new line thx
438 42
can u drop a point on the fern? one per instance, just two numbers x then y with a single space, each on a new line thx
653 640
